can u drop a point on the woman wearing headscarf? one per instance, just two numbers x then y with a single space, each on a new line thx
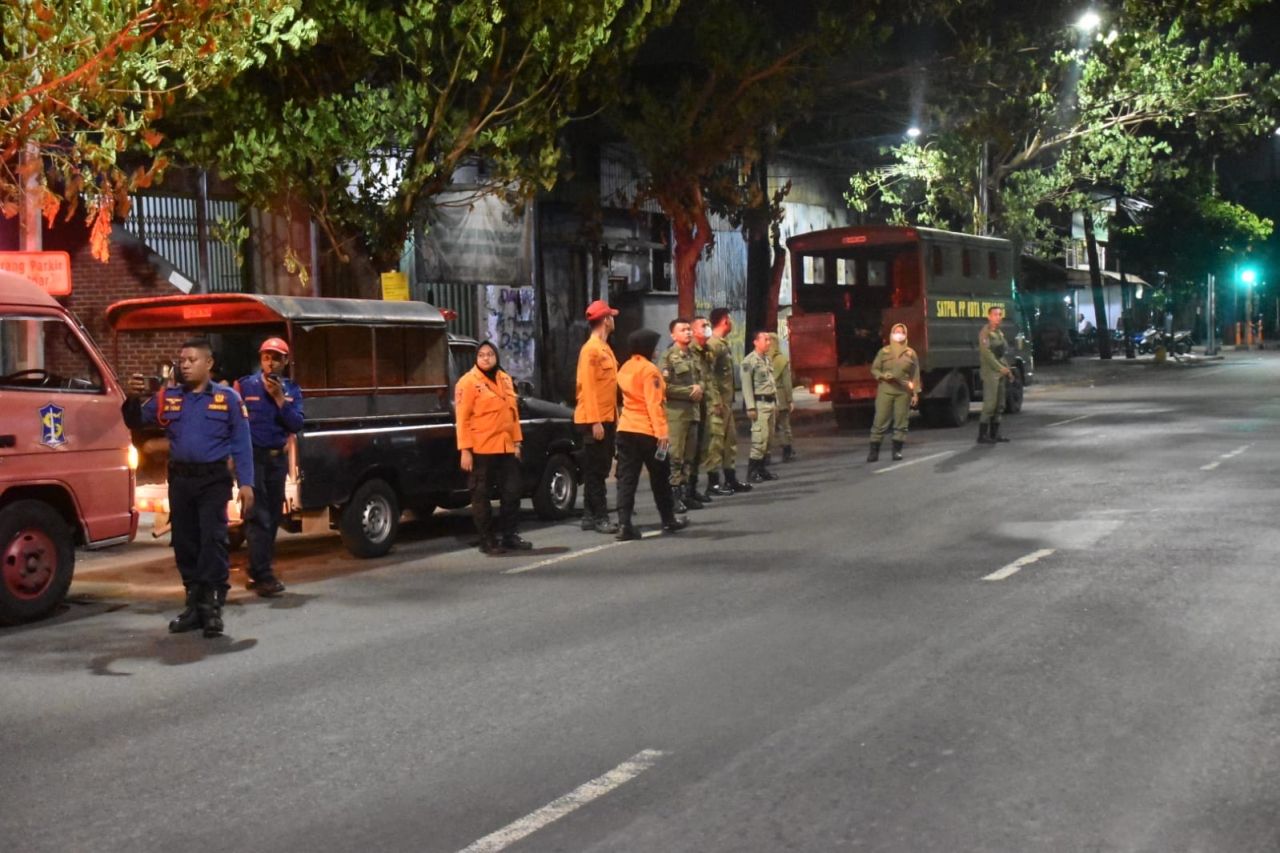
489 437
642 435
897 371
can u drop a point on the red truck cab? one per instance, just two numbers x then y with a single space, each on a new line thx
66 462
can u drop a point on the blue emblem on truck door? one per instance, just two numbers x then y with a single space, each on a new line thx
51 434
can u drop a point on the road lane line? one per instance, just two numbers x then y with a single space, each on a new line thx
913 462
1068 421
1224 457
560 558
1016 566
569 803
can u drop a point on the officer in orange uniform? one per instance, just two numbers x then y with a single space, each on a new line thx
596 415
489 437
643 439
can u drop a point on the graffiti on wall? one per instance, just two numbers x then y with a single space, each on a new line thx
511 322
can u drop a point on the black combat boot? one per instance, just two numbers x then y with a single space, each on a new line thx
731 480
209 606
897 451
753 471
763 469
188 619
703 497
995 433
588 521
677 499
984 434
515 542
674 524
873 452
626 531
604 525
714 488
691 499
788 455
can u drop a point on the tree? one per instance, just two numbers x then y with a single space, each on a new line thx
83 86
1048 119
370 122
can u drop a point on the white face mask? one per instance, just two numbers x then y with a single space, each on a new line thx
897 337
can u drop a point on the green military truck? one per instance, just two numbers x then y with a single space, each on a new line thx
851 285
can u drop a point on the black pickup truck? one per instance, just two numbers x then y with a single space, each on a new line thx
379 437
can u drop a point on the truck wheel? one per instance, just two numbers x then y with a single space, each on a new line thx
37 559
1013 396
557 491
953 412
370 521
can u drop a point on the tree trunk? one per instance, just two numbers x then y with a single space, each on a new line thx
775 285
692 229
1095 279
759 262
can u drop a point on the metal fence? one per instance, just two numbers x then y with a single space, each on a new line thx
170 226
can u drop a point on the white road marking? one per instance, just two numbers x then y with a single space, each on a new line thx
1224 457
569 803
1069 420
560 558
913 462
1016 566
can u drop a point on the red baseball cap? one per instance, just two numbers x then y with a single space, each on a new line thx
600 309
274 345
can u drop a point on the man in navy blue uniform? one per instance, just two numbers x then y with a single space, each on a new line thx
275 413
206 424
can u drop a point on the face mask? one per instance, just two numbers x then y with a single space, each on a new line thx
897 337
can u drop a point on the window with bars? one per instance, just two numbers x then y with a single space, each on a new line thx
171 226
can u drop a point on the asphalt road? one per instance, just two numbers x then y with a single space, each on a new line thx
1068 642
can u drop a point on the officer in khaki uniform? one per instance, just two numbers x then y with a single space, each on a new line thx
761 397
722 447
896 370
995 377
704 362
786 396
680 370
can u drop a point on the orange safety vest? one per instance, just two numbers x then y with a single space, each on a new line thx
644 396
487 412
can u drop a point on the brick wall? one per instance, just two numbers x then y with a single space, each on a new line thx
95 285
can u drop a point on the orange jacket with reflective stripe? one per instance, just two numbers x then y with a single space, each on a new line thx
597 384
643 398
488 413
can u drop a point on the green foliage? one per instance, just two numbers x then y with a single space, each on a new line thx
84 85
370 121
1065 118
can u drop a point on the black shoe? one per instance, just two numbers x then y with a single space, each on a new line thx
189 618
627 533
589 522
693 490
984 434
209 606
731 480
788 455
691 499
677 499
267 587
675 525
513 542
897 451
995 433
753 472
491 546
873 452
764 471
604 525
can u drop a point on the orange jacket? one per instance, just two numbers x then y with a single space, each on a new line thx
597 384
488 413
643 398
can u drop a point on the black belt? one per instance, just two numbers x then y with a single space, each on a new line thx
768 398
269 452
197 469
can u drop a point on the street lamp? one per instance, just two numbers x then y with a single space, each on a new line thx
913 132
1088 22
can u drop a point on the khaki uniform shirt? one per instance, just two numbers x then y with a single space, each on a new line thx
721 369
991 349
757 379
898 368
680 370
782 381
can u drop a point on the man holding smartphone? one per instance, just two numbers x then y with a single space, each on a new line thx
275 413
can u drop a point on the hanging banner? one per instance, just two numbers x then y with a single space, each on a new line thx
471 240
